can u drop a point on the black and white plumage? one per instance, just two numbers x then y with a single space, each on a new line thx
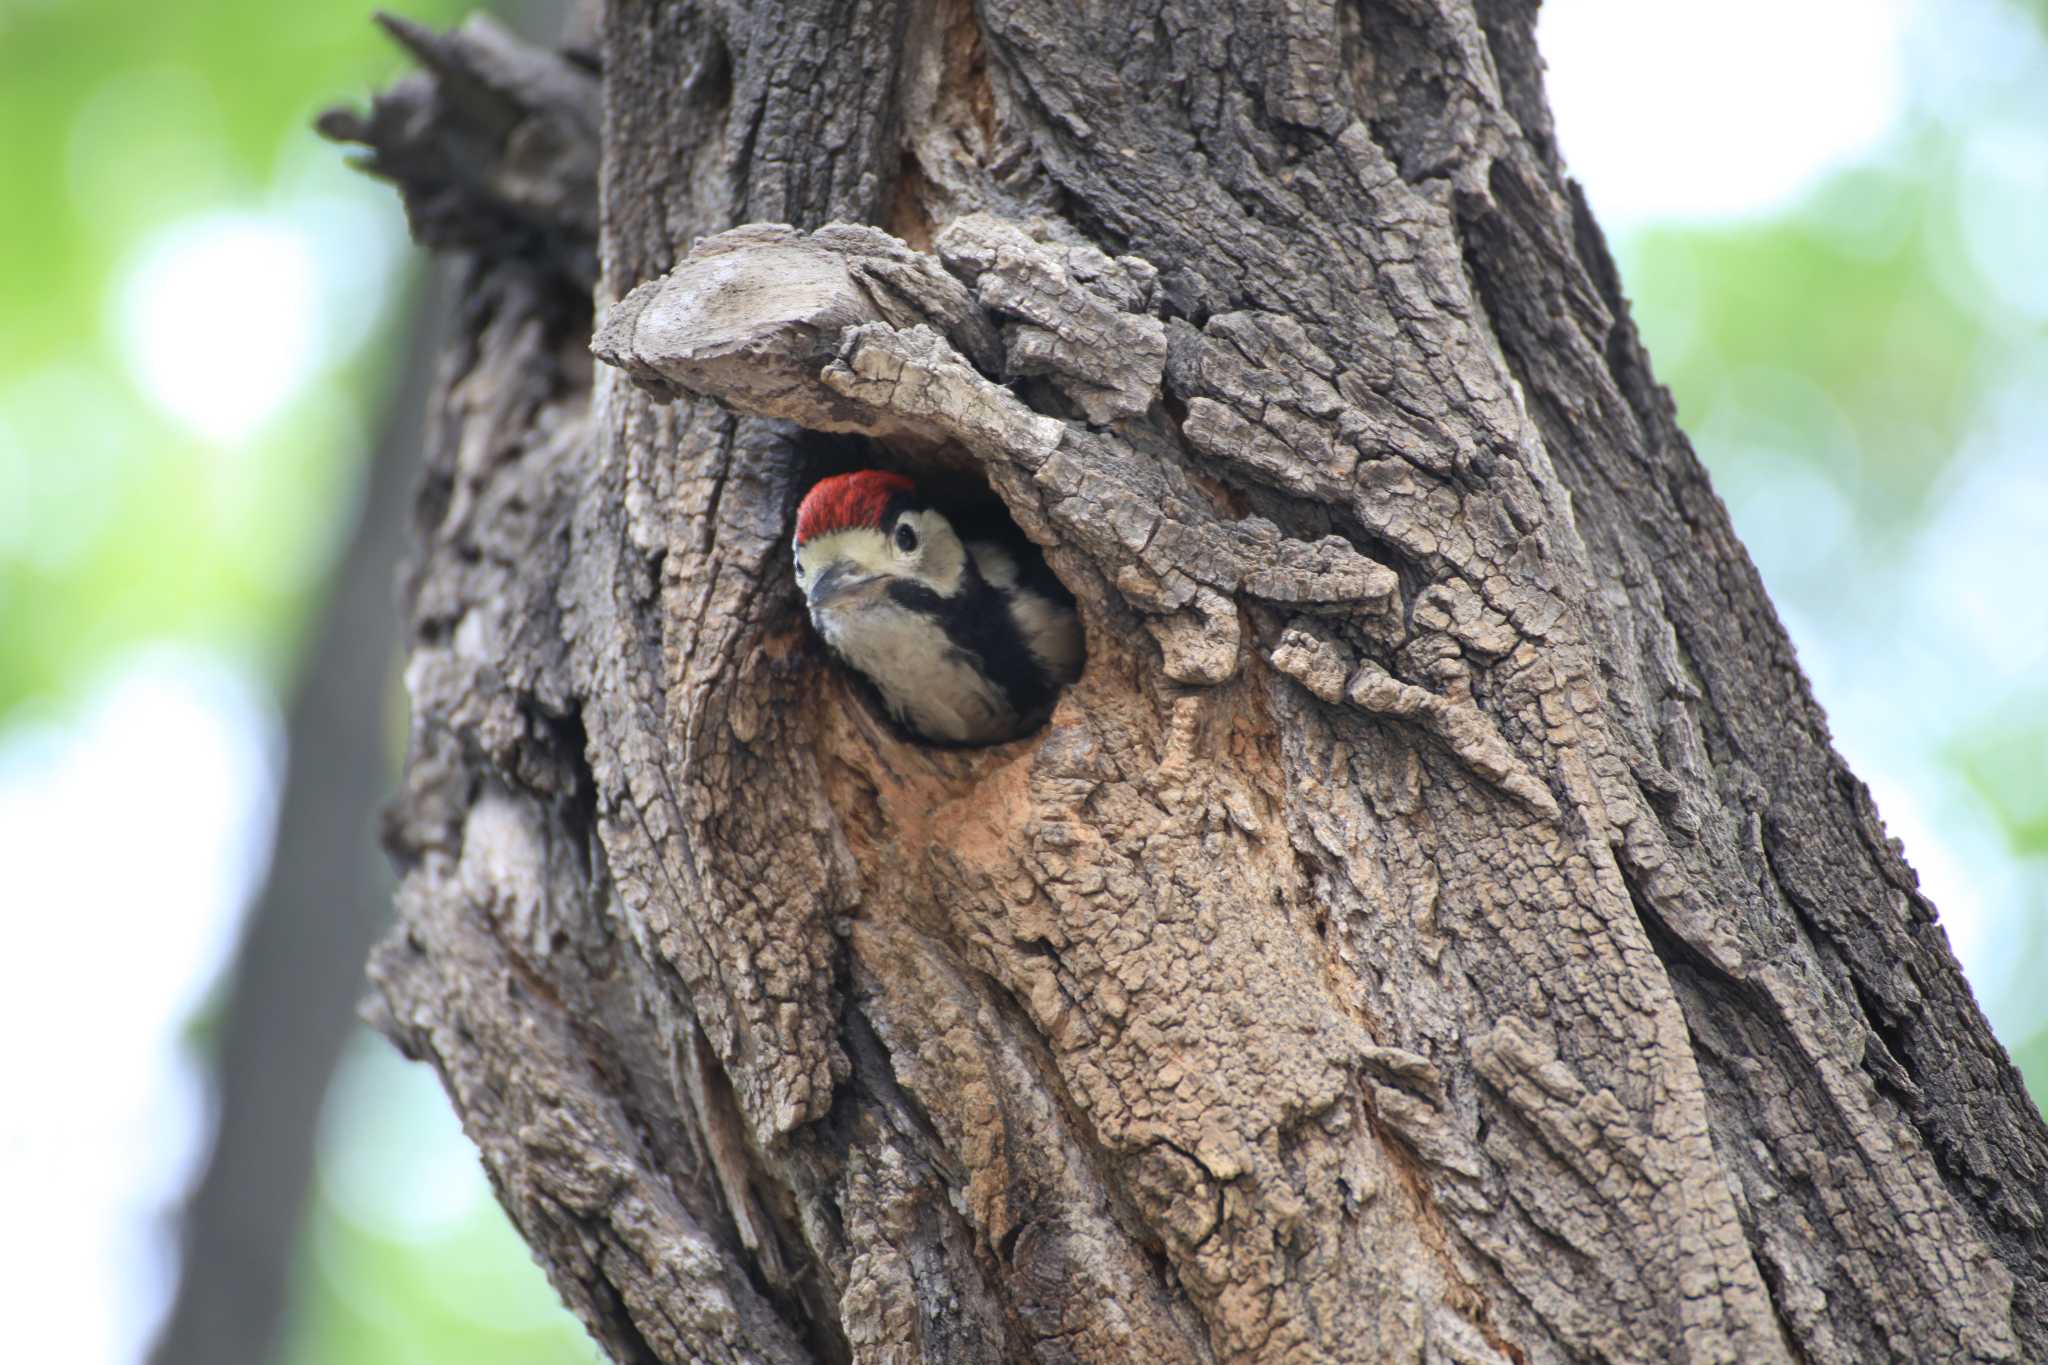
965 634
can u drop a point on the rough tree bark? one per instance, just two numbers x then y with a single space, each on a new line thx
1435 928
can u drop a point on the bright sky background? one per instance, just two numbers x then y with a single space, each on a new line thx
1665 110
1673 110
150 805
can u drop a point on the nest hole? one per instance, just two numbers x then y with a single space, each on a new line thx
952 483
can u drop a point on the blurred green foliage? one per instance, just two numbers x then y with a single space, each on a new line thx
1838 295
471 1294
118 523
1860 293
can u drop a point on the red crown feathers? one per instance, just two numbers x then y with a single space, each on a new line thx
845 501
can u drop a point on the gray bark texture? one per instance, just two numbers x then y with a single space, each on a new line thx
1435 928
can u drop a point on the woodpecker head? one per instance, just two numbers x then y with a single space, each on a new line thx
859 534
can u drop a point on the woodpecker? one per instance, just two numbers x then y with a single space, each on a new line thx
968 638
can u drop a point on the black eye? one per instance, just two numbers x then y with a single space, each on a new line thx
906 537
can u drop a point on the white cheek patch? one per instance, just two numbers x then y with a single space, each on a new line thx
866 551
923 679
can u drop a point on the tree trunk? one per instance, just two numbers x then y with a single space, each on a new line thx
1435 928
